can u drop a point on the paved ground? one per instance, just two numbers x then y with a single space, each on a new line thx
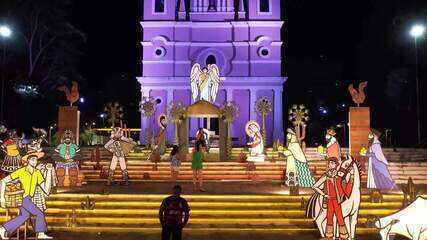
284 236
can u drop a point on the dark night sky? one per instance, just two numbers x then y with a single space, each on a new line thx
329 44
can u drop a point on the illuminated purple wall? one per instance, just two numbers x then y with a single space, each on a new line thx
244 42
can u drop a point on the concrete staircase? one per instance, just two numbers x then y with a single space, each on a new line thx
209 213
404 163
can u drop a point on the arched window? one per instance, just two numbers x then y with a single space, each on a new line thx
210 60
264 5
212 6
159 6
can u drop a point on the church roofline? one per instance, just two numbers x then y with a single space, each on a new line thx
228 81
153 24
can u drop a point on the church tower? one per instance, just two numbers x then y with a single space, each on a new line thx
243 37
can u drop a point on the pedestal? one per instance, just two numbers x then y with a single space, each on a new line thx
260 158
359 128
69 119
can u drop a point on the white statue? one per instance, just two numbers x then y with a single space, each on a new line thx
206 81
256 152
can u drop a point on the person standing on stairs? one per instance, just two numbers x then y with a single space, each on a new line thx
197 166
119 146
173 215
175 164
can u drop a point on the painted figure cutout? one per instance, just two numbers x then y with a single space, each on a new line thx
205 82
333 149
256 145
67 167
119 146
11 146
378 174
409 222
297 171
337 193
30 178
161 136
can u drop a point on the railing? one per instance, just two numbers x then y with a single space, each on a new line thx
212 6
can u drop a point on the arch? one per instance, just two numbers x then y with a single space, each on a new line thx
211 59
160 38
263 40
264 6
159 6
221 61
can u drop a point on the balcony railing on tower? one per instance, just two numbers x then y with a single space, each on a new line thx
212 6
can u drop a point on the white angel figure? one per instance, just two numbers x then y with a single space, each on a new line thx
206 81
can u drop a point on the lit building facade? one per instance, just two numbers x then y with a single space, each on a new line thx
242 37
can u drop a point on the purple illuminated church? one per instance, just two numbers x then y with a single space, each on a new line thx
242 37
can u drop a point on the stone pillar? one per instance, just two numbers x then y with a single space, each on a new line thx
229 98
229 93
170 126
253 98
144 93
278 116
359 128
241 13
182 12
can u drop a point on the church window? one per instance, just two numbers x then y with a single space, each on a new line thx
159 6
264 5
212 6
160 52
210 60
264 52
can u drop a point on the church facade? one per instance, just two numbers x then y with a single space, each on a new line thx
243 38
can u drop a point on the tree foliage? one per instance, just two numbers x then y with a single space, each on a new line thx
44 46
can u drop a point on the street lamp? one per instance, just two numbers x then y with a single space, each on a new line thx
5 32
103 116
416 32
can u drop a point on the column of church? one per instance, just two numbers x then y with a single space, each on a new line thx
278 118
170 126
144 122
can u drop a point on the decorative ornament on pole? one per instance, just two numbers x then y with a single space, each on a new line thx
176 113
263 107
229 112
298 115
359 95
205 82
114 113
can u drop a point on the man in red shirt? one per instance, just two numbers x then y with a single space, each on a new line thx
330 186
173 215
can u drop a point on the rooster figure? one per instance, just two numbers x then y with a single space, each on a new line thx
71 94
358 96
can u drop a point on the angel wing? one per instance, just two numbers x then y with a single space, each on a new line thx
194 79
213 71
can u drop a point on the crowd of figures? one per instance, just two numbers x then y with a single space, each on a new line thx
334 204
29 175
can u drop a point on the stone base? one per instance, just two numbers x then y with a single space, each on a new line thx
69 119
260 158
359 126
